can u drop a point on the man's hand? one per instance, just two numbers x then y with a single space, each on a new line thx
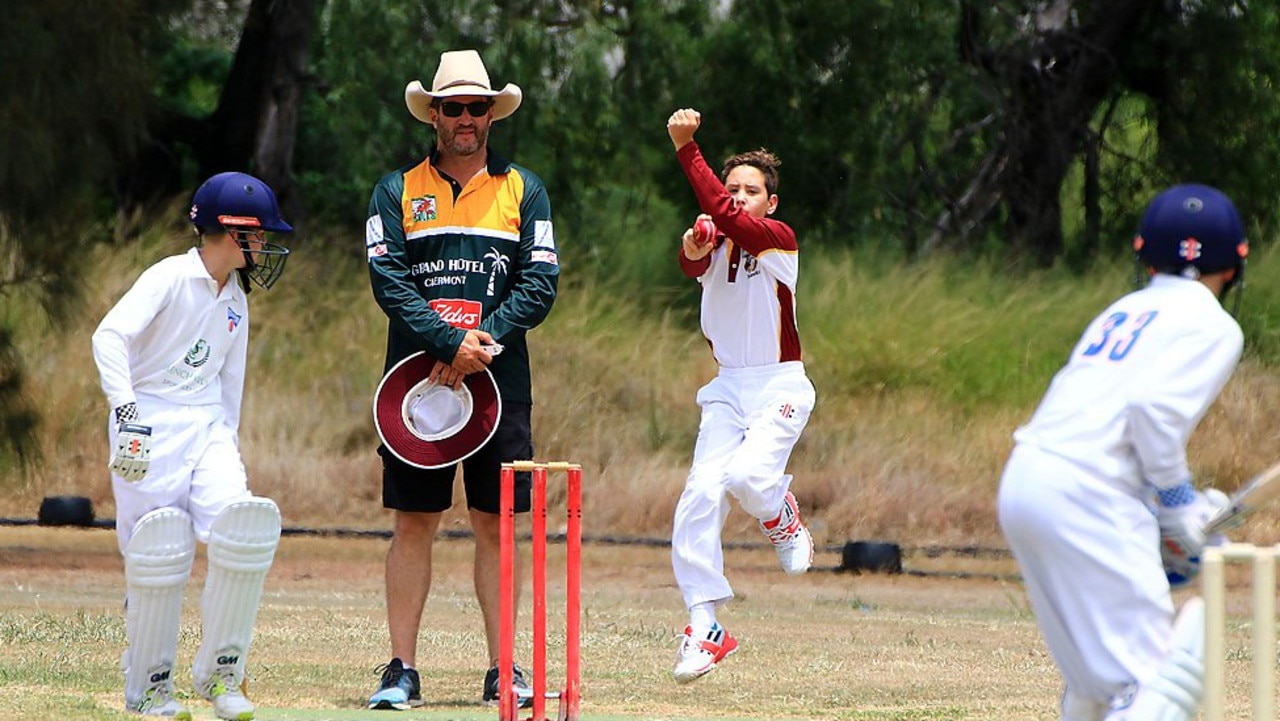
474 355
132 455
446 375
681 126
1182 537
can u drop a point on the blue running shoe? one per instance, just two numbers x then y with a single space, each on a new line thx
524 692
399 688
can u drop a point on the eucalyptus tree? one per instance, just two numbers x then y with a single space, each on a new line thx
1134 93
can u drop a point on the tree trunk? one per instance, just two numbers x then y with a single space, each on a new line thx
255 125
273 157
1051 80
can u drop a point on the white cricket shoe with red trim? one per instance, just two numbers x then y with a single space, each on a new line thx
790 539
701 651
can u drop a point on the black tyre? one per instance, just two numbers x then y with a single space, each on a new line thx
876 556
65 511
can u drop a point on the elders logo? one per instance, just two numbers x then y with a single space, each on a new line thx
458 312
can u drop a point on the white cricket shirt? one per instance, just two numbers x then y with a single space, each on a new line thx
175 337
1138 382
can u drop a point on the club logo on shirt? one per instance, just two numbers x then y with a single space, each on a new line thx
424 208
198 354
751 265
233 320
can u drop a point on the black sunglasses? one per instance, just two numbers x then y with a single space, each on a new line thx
477 108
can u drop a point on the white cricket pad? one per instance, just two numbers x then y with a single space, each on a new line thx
242 546
157 563
1174 694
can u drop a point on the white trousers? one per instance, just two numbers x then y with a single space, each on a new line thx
195 467
1089 555
751 419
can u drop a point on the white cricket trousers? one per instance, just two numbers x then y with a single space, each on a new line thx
1089 554
195 467
751 419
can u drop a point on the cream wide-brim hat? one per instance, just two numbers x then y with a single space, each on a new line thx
461 72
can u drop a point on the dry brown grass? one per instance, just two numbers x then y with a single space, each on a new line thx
614 390
821 646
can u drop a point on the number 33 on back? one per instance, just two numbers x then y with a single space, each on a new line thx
1118 334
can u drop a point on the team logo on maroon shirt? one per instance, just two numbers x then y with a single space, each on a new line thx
458 312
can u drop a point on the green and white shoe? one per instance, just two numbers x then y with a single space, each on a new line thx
228 702
159 701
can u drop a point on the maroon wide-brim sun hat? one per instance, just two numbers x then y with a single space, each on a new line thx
428 425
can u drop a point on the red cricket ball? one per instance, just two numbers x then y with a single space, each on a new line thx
704 231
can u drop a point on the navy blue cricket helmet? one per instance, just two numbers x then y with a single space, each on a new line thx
240 202
1190 230
237 200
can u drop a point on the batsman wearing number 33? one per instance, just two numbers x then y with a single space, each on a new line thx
1097 500
171 355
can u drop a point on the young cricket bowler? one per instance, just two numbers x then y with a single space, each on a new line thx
755 408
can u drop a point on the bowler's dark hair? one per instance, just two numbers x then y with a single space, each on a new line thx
760 159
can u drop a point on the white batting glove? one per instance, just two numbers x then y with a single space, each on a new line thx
132 456
1182 524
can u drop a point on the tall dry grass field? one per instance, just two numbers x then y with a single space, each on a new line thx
923 371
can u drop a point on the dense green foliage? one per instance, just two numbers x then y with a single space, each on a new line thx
883 120
879 123
881 116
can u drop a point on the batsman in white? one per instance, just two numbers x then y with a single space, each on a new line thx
1097 500
755 408
171 356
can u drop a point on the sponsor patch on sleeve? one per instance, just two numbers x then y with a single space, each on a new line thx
544 256
375 244
543 235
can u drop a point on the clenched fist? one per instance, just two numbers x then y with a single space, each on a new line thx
681 126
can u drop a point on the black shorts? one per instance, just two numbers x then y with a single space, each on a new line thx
408 488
